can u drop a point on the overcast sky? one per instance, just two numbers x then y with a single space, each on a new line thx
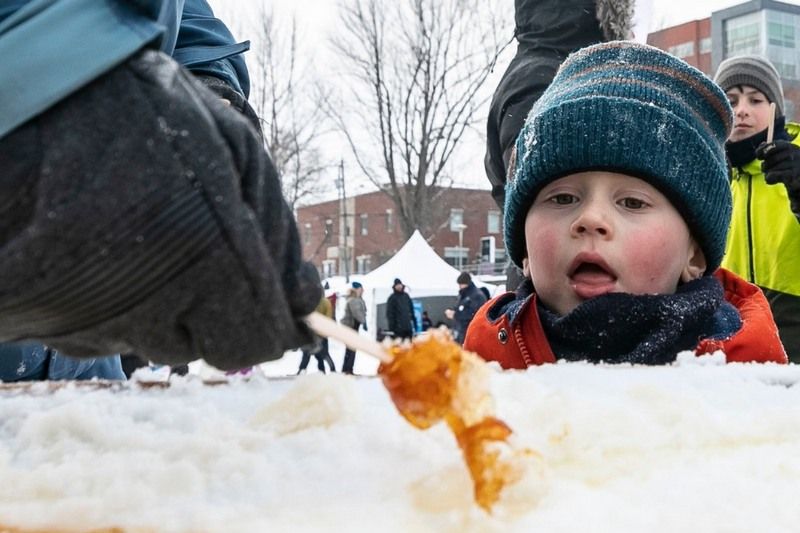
318 18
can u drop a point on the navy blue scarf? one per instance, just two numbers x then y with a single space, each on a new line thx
642 329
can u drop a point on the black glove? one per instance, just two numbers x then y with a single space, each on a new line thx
142 214
781 164
234 98
364 326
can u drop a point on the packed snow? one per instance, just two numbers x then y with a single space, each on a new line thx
696 446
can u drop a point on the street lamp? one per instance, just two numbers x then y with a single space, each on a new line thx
460 229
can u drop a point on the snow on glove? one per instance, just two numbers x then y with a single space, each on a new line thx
781 164
141 214
229 94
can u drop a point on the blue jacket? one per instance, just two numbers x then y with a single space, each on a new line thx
50 48
35 362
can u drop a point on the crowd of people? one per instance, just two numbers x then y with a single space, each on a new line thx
645 209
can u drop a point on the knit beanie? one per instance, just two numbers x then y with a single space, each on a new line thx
755 71
629 108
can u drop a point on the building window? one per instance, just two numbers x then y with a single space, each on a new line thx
457 257
328 228
389 221
780 35
364 228
307 232
705 45
362 264
682 50
742 35
456 219
328 268
493 222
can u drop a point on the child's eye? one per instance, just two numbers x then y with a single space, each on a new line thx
633 203
563 199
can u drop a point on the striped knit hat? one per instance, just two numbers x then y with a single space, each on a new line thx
634 109
755 71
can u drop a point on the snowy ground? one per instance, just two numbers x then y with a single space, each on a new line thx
691 447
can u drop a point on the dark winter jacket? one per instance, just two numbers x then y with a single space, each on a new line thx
34 362
547 32
141 214
517 339
764 244
400 314
85 38
470 299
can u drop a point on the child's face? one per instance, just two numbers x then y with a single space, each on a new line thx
597 232
750 111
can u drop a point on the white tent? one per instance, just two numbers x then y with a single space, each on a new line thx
420 269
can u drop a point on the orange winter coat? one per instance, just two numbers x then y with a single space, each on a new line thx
523 343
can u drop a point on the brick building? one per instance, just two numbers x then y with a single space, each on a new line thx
765 27
467 222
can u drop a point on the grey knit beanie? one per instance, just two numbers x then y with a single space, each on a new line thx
755 71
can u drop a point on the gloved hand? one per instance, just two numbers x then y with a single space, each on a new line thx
232 97
364 326
146 217
781 164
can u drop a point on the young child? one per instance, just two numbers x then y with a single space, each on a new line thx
617 211
764 237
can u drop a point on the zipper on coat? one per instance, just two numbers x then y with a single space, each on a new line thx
751 265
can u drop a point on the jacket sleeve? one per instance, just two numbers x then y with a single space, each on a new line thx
206 46
391 313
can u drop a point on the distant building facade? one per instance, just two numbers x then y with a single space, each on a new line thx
764 27
360 233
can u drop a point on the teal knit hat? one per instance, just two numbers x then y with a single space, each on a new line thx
629 108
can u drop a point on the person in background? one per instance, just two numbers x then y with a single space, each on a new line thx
764 240
355 316
470 299
400 315
426 321
320 348
141 213
36 362
633 215
546 31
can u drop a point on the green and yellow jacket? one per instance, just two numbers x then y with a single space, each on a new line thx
764 244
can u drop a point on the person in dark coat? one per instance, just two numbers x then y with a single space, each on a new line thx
426 321
400 312
547 31
470 299
141 212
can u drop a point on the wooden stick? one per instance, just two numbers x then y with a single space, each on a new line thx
771 126
325 327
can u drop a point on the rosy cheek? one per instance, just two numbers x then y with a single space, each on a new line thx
542 243
651 258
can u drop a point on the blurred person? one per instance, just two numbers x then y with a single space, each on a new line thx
764 239
320 347
470 299
355 317
400 317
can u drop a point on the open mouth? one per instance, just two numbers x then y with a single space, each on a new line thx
590 276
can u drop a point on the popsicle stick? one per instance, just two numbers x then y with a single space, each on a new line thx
771 126
325 327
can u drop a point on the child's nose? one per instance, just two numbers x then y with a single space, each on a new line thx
591 221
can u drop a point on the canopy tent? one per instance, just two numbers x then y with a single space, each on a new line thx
428 278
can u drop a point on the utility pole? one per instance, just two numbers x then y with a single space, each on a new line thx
343 210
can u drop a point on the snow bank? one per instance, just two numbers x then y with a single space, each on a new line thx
692 447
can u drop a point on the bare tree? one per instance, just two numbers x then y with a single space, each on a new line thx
419 67
284 96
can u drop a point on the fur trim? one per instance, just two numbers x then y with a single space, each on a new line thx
616 18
